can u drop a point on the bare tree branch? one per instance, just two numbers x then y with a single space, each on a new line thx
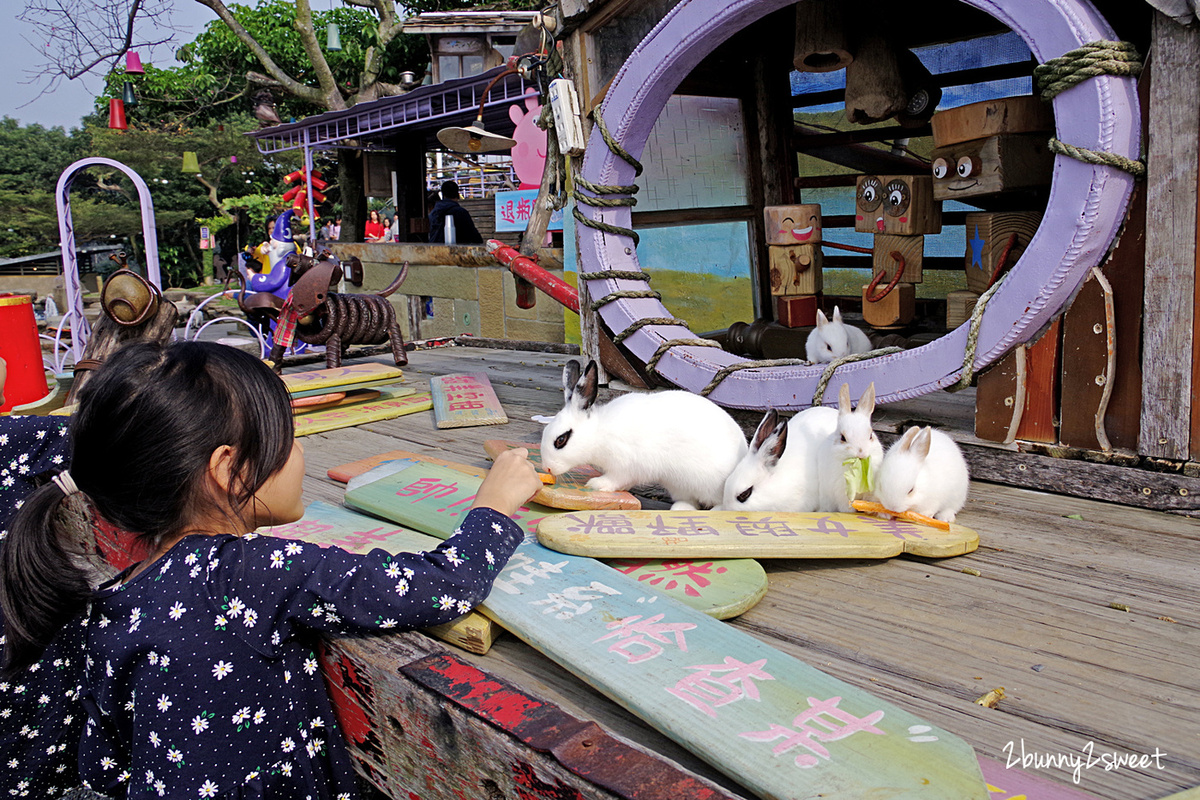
308 39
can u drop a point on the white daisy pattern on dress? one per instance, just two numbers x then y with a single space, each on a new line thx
256 626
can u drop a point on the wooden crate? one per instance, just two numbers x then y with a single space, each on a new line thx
897 308
797 311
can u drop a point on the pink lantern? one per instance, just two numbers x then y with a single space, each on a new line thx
133 63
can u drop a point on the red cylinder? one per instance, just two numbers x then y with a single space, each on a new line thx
116 114
21 351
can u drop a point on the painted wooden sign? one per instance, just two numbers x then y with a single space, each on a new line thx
463 401
433 499
569 490
778 726
1008 783
325 525
388 405
342 379
761 534
306 405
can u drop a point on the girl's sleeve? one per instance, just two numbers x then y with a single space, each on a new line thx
263 586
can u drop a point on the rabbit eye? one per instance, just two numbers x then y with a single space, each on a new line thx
843 437
562 440
744 496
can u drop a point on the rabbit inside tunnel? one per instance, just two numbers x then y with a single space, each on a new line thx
317 315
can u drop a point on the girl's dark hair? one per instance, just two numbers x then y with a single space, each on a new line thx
147 424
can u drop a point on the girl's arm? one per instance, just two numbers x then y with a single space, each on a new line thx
288 583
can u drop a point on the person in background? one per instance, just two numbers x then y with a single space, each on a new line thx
326 231
376 230
335 232
464 227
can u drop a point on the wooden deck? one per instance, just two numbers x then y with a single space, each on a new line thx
1037 620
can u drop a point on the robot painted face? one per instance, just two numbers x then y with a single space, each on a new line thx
897 204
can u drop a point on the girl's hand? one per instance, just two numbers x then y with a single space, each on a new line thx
509 484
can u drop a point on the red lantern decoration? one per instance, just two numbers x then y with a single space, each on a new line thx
116 114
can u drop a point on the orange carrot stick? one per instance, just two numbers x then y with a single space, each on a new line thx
911 516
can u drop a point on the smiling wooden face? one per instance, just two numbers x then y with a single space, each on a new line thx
896 204
991 166
791 225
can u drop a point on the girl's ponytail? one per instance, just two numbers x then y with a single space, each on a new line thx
43 584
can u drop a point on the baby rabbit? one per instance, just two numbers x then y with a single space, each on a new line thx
779 473
853 438
679 440
924 471
830 341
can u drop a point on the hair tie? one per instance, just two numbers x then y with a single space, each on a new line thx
66 483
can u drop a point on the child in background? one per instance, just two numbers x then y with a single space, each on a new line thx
202 676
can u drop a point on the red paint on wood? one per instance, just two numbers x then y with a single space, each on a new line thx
524 267
482 694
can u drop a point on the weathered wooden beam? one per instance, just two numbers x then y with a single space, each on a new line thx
1174 133
419 720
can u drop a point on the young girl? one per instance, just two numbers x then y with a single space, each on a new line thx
201 676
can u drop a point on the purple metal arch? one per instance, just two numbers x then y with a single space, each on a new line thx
1086 207
80 330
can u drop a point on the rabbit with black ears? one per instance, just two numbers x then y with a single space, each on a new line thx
853 438
924 471
683 442
834 339
779 472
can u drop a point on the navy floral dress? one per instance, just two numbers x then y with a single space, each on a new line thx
202 677
40 717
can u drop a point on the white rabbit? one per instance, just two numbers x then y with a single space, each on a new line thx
853 438
779 473
681 441
924 471
832 340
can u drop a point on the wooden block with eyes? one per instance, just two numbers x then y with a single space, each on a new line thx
992 166
799 224
902 205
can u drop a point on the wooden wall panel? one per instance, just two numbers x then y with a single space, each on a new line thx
1173 134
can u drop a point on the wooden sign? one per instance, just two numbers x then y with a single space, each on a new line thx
344 472
306 405
778 726
325 525
569 490
356 376
386 406
433 499
734 534
1008 783
463 401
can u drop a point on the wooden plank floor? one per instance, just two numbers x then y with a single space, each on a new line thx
922 633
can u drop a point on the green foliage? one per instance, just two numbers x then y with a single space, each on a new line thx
258 208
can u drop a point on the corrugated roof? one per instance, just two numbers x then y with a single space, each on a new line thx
469 21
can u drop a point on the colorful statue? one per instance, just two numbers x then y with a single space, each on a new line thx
275 279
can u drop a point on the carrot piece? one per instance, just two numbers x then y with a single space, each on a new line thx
546 478
911 516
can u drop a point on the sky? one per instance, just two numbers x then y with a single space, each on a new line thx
70 100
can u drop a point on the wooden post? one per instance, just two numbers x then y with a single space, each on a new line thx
1171 236
822 43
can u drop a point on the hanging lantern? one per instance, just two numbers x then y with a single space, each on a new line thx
133 63
127 95
333 37
116 114
190 165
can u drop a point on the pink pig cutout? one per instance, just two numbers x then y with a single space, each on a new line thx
529 153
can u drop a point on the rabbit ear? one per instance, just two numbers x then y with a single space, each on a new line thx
866 403
920 442
822 320
765 428
905 442
776 443
837 314
570 378
588 385
844 399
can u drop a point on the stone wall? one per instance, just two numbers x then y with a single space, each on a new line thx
468 291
